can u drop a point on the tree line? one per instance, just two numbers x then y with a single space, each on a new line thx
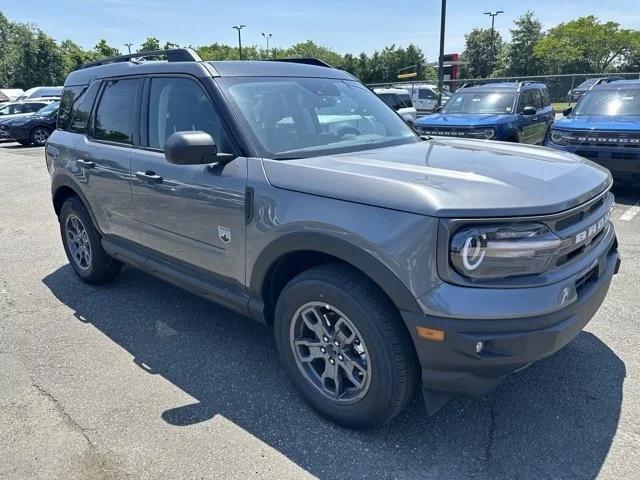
29 57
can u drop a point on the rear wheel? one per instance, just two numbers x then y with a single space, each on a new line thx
344 346
82 244
39 136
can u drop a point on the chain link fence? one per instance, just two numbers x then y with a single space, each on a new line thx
558 85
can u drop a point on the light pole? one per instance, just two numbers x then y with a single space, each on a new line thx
443 15
128 45
493 16
267 36
238 28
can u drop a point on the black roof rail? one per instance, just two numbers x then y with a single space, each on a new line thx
304 60
172 55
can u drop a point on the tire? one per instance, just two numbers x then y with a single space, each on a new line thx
386 374
39 136
86 255
24 143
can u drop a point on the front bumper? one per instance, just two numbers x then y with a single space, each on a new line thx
622 162
509 341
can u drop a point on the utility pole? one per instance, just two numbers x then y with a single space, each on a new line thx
128 45
267 36
238 28
493 16
443 16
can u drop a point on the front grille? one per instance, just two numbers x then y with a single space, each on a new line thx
602 139
591 154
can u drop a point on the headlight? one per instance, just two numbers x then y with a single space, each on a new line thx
489 133
558 137
488 252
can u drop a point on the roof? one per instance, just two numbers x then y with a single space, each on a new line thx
245 68
618 85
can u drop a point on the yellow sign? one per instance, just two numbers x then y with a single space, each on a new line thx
407 75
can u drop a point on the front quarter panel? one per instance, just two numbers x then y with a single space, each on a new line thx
403 242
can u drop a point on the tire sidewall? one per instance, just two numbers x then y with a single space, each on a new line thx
376 401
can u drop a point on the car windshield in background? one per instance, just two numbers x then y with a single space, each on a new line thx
49 109
480 102
303 117
610 102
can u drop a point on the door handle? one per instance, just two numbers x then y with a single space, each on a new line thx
149 176
85 163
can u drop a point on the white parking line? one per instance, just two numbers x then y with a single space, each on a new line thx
630 213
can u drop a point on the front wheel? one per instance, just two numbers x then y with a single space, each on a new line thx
344 346
39 136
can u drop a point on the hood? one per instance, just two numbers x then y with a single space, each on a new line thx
449 178
600 122
463 119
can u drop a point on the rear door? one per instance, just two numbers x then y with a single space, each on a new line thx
192 215
103 156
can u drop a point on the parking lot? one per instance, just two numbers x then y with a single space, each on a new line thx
139 379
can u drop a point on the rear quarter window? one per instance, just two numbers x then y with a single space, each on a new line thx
69 97
81 109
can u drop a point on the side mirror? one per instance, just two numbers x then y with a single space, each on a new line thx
191 148
437 109
567 111
529 111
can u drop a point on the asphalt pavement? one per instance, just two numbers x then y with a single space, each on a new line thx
139 379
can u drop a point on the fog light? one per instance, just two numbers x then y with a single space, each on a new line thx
479 347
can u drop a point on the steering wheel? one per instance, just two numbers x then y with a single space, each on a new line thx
343 132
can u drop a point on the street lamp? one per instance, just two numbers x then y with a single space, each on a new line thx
267 36
493 16
128 45
238 28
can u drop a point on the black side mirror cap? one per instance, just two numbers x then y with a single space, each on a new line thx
529 111
437 108
192 148
567 111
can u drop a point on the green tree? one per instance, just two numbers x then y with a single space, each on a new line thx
103 49
481 53
150 44
170 45
73 56
584 45
517 58
36 59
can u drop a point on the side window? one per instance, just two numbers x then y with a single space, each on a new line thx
426 94
16 109
114 116
179 105
405 100
535 98
525 99
81 109
34 107
546 101
69 96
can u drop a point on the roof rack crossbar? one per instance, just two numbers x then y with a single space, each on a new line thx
304 60
172 55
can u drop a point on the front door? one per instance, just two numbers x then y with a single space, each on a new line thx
192 215
527 123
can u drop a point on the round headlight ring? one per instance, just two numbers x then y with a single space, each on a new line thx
473 251
557 136
489 133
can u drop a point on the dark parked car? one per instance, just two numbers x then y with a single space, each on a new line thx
512 112
604 127
382 260
576 93
32 129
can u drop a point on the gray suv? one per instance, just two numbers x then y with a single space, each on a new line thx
289 192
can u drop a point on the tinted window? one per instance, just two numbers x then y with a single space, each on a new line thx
546 101
426 94
69 97
114 116
179 105
81 109
391 99
34 107
405 100
535 98
526 99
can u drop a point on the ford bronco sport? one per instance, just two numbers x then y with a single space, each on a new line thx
291 193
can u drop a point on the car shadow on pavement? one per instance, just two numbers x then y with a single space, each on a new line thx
556 419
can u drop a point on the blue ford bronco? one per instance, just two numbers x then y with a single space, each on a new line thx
513 112
291 193
604 127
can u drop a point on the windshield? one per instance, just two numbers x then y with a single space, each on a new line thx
609 102
303 117
588 83
49 109
480 102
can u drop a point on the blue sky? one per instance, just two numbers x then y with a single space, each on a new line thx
344 25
